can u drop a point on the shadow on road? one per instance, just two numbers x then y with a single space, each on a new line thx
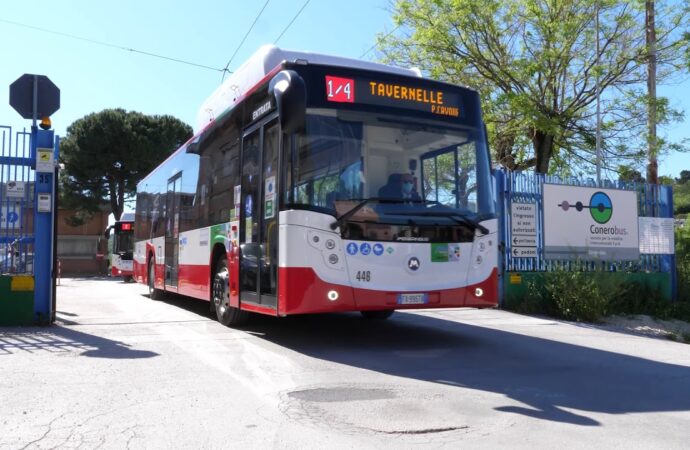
547 376
59 339
198 307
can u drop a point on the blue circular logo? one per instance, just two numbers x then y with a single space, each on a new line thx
365 249
12 217
378 249
352 248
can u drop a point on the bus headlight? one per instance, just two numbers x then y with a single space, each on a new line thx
478 292
333 258
332 295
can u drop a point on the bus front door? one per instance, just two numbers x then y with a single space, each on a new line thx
259 212
172 230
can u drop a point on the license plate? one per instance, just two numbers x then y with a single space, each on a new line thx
413 299
126 265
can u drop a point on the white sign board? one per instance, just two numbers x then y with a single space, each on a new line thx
590 223
45 202
44 160
656 236
523 230
15 189
523 241
524 252
523 219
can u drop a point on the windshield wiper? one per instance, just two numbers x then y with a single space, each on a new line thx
340 220
453 215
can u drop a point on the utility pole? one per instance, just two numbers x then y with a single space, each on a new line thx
653 165
598 137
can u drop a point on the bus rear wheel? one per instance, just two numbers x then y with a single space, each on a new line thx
220 297
377 315
154 294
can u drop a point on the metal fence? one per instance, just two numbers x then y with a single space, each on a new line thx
16 202
527 187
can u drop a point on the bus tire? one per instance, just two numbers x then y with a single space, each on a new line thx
127 278
220 297
377 315
154 294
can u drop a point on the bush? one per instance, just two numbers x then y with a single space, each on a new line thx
683 262
591 296
578 296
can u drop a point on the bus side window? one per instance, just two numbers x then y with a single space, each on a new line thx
225 169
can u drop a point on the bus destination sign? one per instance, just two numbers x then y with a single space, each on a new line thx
397 95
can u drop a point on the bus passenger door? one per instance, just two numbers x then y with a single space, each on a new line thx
259 220
172 230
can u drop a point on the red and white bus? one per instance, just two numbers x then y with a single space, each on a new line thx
322 184
122 249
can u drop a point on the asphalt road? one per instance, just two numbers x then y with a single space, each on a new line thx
121 371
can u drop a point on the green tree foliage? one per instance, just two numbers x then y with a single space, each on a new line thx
681 193
629 173
107 153
535 65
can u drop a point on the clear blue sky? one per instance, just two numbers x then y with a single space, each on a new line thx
93 77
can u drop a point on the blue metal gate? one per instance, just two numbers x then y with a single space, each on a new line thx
527 188
16 204
27 218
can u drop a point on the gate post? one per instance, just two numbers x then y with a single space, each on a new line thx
43 147
499 197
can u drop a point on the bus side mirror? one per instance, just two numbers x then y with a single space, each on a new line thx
290 93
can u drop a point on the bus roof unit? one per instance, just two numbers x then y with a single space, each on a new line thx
260 64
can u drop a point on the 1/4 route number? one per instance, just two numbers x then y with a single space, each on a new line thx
340 89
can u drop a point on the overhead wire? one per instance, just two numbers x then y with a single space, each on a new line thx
106 44
374 46
292 21
225 69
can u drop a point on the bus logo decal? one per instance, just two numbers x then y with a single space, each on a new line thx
352 248
365 249
413 264
378 249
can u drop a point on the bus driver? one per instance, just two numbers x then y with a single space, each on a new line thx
400 186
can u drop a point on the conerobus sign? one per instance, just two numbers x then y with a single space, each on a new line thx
590 223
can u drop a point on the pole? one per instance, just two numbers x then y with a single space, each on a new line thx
55 262
43 226
598 137
34 100
652 168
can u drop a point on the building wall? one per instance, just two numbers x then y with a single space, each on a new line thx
82 250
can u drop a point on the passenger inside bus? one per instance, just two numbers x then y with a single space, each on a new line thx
400 186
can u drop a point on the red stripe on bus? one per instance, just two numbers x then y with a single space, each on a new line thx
301 291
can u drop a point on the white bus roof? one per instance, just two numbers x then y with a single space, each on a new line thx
260 64
127 217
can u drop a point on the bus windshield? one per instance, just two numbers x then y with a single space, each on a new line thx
408 168
123 242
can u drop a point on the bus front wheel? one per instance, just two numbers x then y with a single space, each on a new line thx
220 297
154 294
377 315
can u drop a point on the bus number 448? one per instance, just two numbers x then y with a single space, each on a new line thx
363 275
